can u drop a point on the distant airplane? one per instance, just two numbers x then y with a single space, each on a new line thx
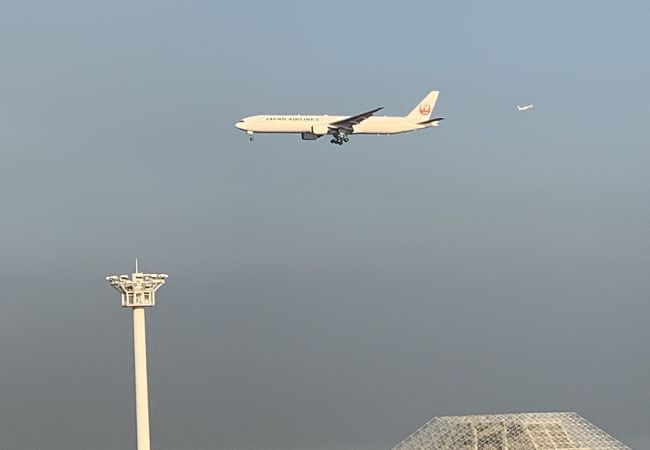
525 107
312 127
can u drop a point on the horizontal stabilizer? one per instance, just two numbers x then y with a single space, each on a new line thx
427 122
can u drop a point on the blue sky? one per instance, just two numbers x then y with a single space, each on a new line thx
322 297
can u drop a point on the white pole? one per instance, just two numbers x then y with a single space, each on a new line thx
137 292
141 394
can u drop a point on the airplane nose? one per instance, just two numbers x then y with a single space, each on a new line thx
240 125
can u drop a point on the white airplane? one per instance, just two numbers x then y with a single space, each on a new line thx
525 107
311 127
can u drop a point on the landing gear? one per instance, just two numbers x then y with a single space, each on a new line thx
251 138
339 139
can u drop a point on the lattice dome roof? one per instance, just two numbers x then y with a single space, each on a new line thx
529 431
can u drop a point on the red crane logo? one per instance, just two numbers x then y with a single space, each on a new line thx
425 109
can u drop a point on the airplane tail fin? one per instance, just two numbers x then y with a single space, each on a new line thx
423 110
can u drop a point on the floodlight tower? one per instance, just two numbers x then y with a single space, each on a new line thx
139 291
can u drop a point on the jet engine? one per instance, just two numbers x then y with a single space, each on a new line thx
316 132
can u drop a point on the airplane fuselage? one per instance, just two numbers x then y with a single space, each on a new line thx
313 126
319 124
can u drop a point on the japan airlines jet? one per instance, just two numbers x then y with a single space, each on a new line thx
340 127
525 107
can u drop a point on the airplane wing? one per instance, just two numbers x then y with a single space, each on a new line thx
349 122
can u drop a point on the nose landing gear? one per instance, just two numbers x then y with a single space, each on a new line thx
251 138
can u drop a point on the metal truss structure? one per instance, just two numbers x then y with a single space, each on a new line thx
527 431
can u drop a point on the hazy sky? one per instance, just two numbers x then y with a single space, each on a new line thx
322 297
